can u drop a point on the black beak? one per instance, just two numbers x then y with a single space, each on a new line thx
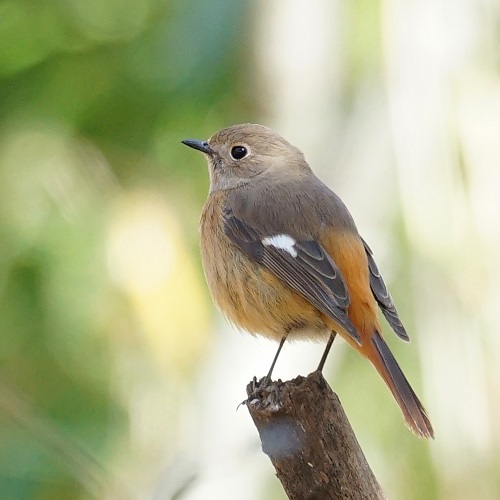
199 145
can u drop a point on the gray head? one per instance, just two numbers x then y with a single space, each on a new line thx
238 153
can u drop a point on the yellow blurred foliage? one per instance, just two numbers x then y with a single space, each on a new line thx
150 262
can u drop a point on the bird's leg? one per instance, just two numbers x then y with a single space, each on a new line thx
327 350
282 341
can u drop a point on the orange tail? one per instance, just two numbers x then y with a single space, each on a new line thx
413 411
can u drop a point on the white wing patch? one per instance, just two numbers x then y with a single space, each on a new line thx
283 242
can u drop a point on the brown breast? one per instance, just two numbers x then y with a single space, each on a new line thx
251 297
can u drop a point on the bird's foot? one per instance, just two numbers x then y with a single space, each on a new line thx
263 393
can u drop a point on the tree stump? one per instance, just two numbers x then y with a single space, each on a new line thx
311 444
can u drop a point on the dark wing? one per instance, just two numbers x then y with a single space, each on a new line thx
383 297
303 265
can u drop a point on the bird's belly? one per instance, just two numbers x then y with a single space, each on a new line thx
255 300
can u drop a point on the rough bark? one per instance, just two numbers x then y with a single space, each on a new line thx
306 434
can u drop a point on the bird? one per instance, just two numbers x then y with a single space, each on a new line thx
283 258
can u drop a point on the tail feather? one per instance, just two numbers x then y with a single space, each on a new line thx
413 410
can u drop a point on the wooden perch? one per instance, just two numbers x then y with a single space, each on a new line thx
306 434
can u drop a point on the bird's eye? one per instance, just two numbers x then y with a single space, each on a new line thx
239 152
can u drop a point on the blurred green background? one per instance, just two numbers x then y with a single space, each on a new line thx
117 378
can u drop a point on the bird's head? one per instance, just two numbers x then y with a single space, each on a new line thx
237 154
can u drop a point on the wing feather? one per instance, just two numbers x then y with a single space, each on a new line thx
308 270
383 297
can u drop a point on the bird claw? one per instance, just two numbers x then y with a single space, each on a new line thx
263 393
